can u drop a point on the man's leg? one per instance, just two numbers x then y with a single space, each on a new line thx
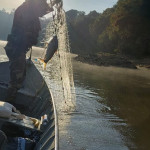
17 76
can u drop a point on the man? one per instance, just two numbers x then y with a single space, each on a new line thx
24 35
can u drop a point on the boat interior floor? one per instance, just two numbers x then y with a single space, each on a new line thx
36 100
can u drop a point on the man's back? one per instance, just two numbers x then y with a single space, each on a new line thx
26 25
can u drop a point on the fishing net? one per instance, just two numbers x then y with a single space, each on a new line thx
59 73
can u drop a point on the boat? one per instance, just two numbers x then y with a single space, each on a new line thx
37 101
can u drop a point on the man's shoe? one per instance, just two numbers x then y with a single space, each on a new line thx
11 94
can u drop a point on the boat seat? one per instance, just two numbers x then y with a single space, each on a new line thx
8 113
25 123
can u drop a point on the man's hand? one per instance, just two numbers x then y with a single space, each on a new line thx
53 2
59 6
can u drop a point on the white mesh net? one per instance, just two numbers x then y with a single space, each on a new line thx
59 69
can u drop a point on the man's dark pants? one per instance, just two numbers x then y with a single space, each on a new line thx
17 76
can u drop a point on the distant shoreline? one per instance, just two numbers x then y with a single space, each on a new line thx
106 59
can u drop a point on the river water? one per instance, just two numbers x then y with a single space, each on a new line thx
112 109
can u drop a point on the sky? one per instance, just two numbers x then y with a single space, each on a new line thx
89 5
81 5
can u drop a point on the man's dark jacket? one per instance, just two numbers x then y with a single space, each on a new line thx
25 31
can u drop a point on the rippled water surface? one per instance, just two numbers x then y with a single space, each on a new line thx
112 109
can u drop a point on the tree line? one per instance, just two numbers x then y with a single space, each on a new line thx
6 23
123 29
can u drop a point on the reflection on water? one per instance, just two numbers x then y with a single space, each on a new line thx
123 104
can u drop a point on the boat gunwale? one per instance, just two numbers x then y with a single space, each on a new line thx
56 123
